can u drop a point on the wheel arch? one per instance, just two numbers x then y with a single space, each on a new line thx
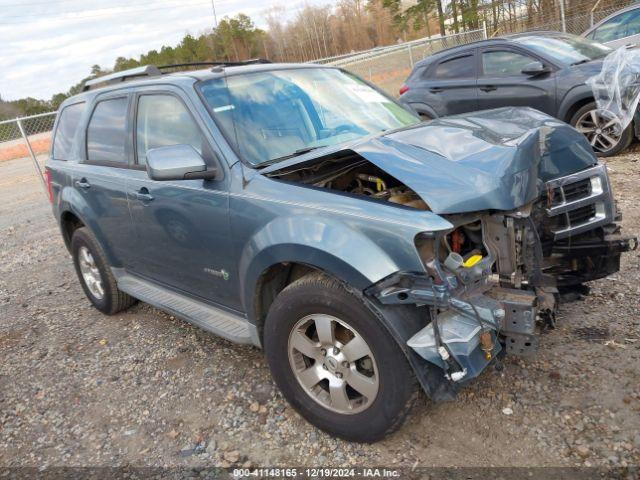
76 213
267 277
423 109
329 245
574 101
69 223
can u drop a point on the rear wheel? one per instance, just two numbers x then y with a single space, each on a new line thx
335 362
603 131
95 276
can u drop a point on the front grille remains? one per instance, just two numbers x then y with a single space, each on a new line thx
580 202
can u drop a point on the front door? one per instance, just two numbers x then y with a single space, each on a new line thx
182 226
501 82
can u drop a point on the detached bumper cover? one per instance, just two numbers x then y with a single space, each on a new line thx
464 314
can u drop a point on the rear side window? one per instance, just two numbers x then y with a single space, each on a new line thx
67 128
162 121
459 67
106 134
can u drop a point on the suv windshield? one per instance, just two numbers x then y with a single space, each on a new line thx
565 49
276 114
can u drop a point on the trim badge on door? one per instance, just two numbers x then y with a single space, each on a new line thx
218 273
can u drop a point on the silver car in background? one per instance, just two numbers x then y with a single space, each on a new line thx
618 29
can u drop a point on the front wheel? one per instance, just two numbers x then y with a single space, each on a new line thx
335 362
603 131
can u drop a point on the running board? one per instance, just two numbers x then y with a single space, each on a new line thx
227 325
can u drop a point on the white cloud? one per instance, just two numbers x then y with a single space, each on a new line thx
49 47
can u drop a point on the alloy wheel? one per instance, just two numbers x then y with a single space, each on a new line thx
602 129
90 273
333 364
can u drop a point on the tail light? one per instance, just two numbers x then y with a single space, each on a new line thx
403 89
47 180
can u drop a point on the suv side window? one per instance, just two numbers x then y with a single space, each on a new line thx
458 67
107 131
504 63
163 120
67 128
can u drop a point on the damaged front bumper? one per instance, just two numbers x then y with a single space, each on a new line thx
473 318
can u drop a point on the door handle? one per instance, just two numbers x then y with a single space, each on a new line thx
83 184
488 88
436 89
144 195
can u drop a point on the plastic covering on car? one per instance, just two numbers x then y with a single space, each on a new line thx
616 88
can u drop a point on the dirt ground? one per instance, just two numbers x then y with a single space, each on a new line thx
78 388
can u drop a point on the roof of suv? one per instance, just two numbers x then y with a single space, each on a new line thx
185 76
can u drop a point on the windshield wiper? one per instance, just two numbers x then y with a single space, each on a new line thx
300 151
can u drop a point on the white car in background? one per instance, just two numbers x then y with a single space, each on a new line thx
618 29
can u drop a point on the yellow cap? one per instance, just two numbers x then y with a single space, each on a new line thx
472 260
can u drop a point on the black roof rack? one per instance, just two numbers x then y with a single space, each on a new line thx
124 75
153 71
214 64
252 61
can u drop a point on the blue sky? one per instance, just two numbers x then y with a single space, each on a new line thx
47 46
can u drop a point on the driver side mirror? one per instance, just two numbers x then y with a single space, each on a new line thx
178 162
535 68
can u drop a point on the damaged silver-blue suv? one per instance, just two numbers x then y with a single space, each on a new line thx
299 209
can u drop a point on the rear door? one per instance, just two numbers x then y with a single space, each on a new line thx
182 234
501 82
101 178
449 85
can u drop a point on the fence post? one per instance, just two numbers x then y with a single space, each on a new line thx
595 5
33 156
410 55
484 29
564 25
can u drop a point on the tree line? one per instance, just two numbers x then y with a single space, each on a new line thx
330 30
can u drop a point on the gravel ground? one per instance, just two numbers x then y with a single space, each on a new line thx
78 388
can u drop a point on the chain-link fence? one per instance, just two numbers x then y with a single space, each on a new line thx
555 16
26 137
388 67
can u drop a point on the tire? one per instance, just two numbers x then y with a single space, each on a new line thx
111 300
582 116
318 299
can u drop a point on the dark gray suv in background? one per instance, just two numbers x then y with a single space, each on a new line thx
543 70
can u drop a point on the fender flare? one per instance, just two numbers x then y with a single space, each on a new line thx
322 243
420 107
573 96
72 201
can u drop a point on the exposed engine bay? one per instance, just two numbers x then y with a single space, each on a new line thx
355 175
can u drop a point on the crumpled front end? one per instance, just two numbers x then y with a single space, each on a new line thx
492 282
532 213
471 292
